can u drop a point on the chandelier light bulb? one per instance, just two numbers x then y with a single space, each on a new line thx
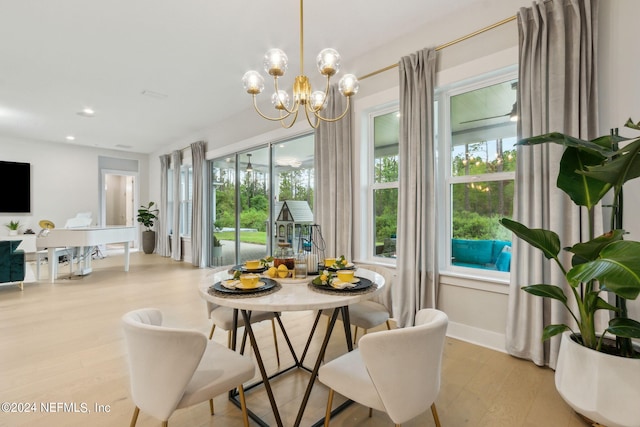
280 100
318 100
328 61
348 85
253 82
275 62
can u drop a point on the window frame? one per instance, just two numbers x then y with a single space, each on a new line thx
371 185
445 210
271 144
186 199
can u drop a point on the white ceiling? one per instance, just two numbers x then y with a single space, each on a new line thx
60 56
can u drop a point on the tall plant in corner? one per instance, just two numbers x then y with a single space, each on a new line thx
146 216
588 171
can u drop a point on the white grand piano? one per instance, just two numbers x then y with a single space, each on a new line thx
84 238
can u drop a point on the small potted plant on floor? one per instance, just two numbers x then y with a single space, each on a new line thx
13 227
146 216
598 372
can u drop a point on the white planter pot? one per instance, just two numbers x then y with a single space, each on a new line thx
602 387
13 232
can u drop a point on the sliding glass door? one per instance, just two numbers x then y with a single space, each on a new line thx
261 199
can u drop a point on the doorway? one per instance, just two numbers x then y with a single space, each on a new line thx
119 200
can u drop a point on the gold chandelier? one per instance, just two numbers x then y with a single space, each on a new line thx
275 64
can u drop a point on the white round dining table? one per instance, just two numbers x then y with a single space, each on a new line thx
291 295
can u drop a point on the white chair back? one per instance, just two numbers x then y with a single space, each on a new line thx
162 361
384 297
405 364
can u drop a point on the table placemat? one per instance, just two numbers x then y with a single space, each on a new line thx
323 289
248 294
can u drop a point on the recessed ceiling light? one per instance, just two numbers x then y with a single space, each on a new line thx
70 137
86 112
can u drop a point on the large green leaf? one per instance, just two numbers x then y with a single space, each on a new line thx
601 145
632 125
624 327
584 190
552 330
546 291
618 269
593 302
624 167
589 251
545 240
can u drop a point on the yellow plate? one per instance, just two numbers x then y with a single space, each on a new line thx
240 285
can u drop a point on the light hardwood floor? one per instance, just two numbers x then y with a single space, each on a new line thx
62 343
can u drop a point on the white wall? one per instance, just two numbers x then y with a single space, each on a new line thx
64 179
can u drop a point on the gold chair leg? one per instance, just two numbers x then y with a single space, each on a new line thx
355 335
435 414
213 328
165 424
243 406
388 326
211 406
275 340
370 412
229 339
134 419
327 415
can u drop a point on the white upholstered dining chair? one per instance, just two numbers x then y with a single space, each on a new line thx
396 371
375 311
222 317
372 312
174 368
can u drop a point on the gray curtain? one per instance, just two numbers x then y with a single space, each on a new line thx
333 201
416 244
164 247
198 157
176 246
557 88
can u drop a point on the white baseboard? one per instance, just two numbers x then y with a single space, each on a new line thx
481 337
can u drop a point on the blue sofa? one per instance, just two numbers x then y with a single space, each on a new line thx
11 262
486 254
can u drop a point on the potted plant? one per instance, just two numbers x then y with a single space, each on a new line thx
13 227
146 216
217 247
597 376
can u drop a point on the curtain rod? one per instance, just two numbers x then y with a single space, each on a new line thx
451 43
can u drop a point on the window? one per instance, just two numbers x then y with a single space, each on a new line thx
479 180
383 191
170 199
186 202
246 205
293 183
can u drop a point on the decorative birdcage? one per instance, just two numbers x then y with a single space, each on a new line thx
312 244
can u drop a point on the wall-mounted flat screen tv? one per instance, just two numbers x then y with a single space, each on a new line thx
17 177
